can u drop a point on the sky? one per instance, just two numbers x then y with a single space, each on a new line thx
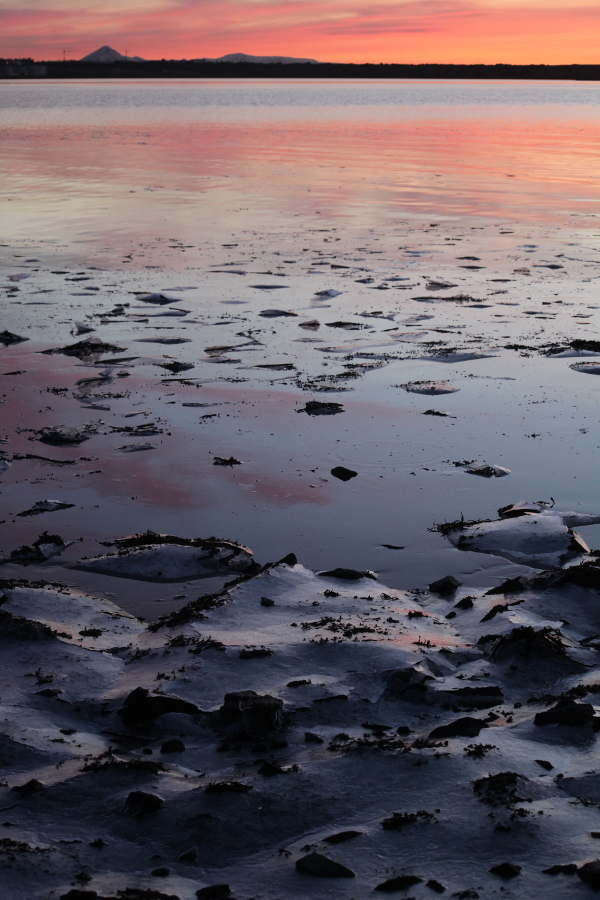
412 31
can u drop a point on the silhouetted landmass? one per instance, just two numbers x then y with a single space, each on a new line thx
205 69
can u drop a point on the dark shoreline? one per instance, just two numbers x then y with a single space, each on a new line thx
184 69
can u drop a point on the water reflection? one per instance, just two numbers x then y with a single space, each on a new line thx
98 159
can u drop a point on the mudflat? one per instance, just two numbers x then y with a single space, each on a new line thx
298 482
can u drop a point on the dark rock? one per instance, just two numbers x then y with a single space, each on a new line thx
586 574
62 437
465 603
544 764
144 894
379 730
227 787
343 473
322 867
544 644
408 684
255 653
566 869
266 601
43 506
348 326
570 713
498 608
397 821
248 715
465 727
87 348
506 870
173 745
21 629
299 682
189 856
503 789
341 837
276 367
7 338
488 471
161 872
213 892
269 769
53 693
141 707
231 461
510 586
311 738
76 894
349 574
290 560
316 408
435 886
176 366
140 803
480 697
403 730
444 586
400 883
141 894
33 786
590 873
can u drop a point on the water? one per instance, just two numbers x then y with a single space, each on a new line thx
168 185
361 152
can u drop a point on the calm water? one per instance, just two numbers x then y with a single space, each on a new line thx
359 152
135 186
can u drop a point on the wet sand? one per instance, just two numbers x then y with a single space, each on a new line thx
171 385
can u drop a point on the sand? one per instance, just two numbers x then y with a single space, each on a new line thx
448 738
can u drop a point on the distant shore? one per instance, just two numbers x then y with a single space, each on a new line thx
14 69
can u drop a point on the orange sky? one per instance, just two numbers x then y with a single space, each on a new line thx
460 31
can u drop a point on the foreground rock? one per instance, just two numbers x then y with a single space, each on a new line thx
174 754
533 534
165 557
246 715
322 867
140 707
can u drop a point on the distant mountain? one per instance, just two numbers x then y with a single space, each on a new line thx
108 55
246 58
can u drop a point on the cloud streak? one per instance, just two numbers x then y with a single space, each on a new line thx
333 30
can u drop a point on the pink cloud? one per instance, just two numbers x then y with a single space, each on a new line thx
426 30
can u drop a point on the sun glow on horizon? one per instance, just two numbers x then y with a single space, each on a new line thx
415 31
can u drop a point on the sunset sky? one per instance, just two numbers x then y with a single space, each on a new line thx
461 31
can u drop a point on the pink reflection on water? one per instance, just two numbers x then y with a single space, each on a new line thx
208 167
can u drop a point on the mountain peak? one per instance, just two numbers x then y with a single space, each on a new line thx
247 58
106 54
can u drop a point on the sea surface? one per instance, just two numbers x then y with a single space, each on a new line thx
243 196
240 153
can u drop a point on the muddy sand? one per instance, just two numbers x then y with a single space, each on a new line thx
299 587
